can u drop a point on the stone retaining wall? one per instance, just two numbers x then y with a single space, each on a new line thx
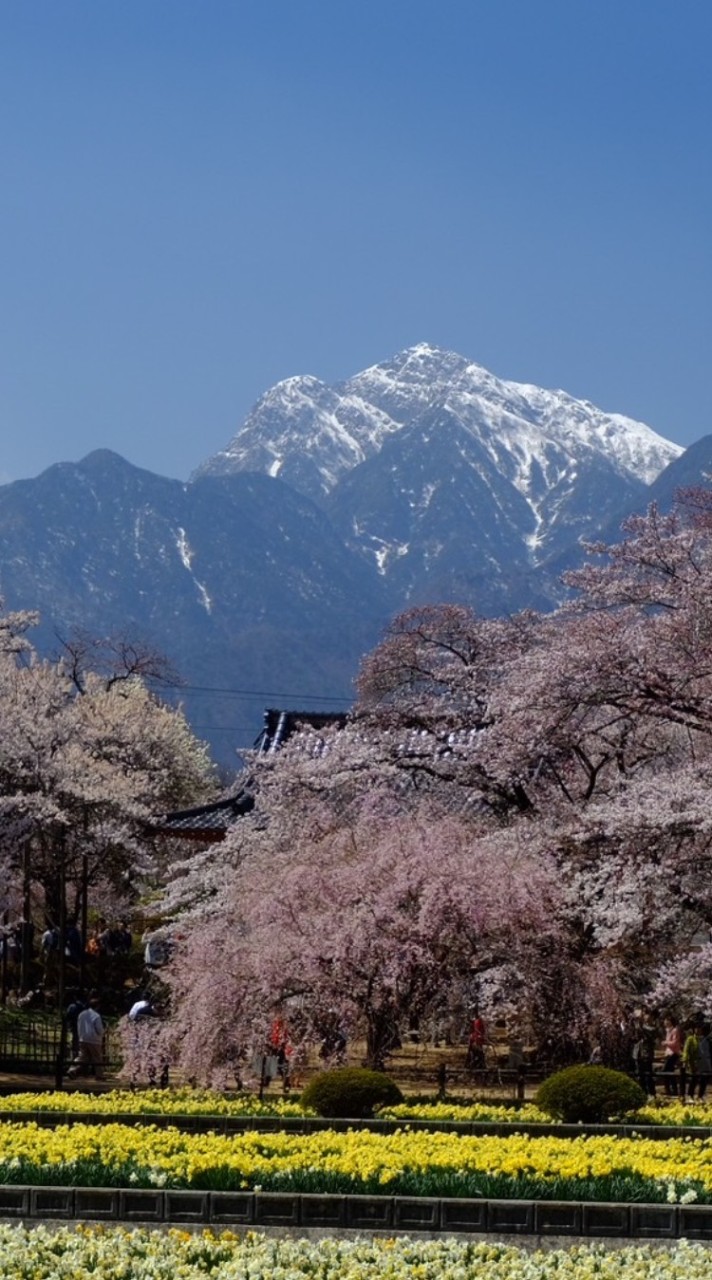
295 1124
367 1213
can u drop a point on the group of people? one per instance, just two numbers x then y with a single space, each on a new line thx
687 1062
30 960
14 938
687 1055
73 944
87 1029
109 939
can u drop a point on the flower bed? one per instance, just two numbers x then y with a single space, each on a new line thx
205 1102
158 1102
679 1113
65 1253
360 1161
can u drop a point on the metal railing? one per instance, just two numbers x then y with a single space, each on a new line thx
36 1044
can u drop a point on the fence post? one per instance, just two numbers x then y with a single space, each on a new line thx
59 1060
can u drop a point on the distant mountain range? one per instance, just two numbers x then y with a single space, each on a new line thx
421 479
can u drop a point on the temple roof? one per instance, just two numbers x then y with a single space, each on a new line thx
210 822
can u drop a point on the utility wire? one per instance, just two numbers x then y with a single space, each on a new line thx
218 728
260 693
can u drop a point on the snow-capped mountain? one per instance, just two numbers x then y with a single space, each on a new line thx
542 465
420 480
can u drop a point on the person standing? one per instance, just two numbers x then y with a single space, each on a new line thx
74 1008
280 1044
644 1054
672 1049
73 944
475 1059
90 1031
690 1072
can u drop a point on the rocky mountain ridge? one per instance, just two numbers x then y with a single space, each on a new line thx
528 430
267 576
418 457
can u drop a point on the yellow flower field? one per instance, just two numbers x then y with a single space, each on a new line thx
422 1162
65 1253
205 1102
667 1111
164 1102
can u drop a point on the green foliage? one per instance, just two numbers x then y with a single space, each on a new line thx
350 1093
591 1095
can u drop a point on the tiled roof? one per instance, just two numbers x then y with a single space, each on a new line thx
206 821
280 725
209 822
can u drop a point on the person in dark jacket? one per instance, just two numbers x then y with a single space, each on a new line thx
74 1008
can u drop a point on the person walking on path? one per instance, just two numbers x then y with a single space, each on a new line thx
90 1031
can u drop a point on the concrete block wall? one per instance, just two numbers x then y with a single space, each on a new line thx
357 1212
314 1124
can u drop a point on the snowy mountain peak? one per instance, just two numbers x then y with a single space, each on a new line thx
312 434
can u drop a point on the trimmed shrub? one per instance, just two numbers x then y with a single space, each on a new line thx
591 1095
350 1093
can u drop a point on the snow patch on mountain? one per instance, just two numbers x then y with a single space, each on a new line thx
186 556
524 427
305 432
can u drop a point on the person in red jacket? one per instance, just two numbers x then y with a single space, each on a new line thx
281 1046
476 1044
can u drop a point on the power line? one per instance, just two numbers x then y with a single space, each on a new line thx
218 728
261 693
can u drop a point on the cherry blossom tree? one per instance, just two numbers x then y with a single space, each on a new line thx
83 768
378 915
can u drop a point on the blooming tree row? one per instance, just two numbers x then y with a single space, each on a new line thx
516 816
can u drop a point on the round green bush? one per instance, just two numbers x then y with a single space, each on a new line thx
591 1095
350 1093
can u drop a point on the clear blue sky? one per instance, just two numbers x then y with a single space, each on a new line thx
200 197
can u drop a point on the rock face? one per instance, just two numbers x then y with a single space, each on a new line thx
421 479
447 478
240 580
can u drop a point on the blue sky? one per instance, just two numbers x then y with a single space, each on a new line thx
200 197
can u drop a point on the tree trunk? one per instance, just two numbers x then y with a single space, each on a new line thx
4 957
62 957
26 938
84 920
382 1037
